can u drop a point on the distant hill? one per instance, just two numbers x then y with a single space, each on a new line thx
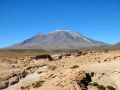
58 40
117 45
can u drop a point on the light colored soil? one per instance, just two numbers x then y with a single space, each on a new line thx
106 73
60 74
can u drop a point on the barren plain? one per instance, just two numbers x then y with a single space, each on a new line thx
91 70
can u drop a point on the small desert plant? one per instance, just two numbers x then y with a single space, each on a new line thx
110 88
52 67
75 66
92 74
101 87
106 50
22 87
95 84
38 84
99 62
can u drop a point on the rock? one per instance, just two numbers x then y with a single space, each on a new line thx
71 80
44 56
30 71
57 57
4 84
80 53
23 74
85 81
13 80
70 87
67 54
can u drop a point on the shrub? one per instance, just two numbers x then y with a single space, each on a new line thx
95 84
106 50
53 67
110 88
22 87
101 87
38 84
92 74
75 66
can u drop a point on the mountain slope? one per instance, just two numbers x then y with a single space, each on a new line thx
57 40
116 46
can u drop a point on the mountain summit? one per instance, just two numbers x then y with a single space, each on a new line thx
59 39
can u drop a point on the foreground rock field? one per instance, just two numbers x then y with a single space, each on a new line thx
64 71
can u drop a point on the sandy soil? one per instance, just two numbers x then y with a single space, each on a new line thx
66 73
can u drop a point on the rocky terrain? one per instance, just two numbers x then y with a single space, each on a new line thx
90 70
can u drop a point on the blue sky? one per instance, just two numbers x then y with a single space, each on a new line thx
21 19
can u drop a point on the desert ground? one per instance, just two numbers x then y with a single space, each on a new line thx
91 70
